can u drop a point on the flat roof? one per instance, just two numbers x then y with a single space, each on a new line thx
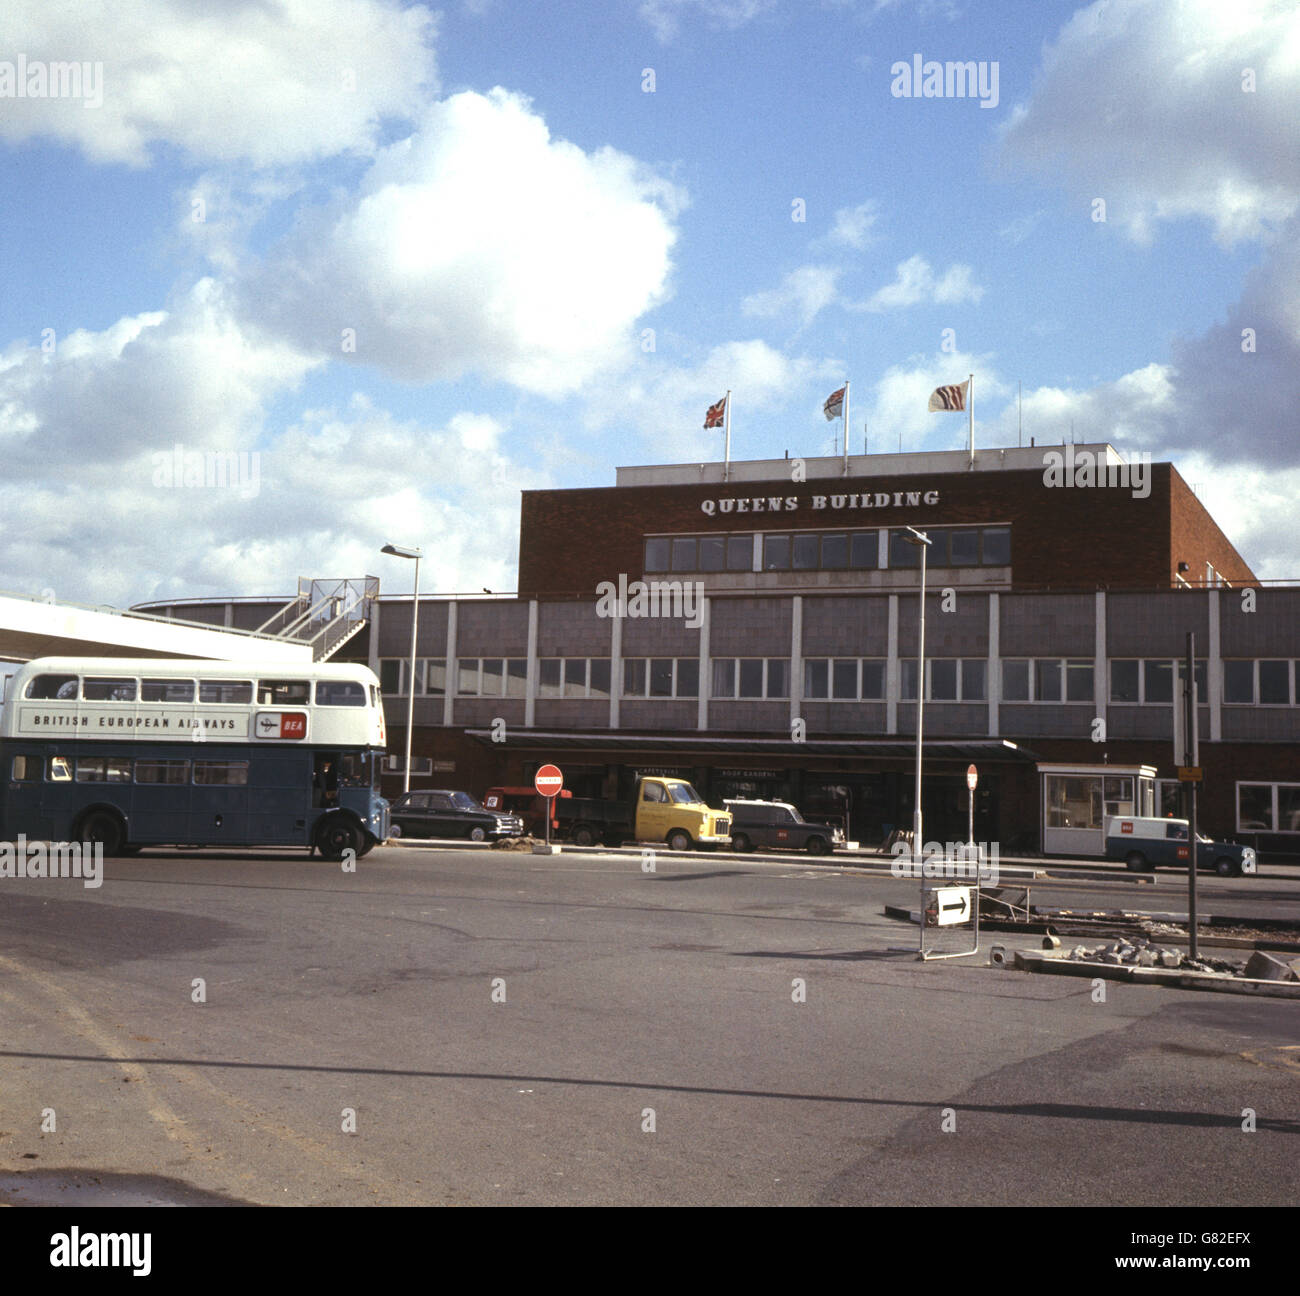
822 467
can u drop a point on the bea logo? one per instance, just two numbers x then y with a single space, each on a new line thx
293 725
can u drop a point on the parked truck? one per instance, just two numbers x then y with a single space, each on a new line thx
667 810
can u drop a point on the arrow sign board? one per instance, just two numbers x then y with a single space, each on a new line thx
953 904
548 780
972 777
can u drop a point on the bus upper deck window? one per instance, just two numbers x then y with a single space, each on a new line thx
60 771
106 689
227 691
52 686
166 690
340 693
283 692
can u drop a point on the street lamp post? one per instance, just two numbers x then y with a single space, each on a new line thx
922 541
401 551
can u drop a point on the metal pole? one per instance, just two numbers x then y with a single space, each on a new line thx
1193 759
410 683
920 702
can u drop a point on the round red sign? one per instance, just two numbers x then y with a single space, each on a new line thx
548 780
972 777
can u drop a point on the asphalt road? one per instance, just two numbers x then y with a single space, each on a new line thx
517 1029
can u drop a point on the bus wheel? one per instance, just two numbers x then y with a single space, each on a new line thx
816 846
335 836
1226 867
1136 862
105 829
740 844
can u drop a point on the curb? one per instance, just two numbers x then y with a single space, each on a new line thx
1031 961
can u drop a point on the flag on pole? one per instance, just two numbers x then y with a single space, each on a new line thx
715 414
949 398
834 406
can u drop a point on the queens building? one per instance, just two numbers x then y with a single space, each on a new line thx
753 627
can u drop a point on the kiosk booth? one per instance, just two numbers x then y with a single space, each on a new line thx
1078 799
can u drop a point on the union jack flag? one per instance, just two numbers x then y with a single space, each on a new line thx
715 414
834 406
949 398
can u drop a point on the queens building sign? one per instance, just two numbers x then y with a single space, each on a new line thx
794 503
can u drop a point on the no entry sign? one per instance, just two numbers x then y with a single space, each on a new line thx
548 780
972 777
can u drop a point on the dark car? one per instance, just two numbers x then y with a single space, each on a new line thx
777 825
444 813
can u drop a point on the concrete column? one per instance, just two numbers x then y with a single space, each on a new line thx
995 665
373 659
706 674
453 668
893 680
615 669
1214 667
796 659
530 698
1100 662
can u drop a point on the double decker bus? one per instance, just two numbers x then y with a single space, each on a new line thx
147 752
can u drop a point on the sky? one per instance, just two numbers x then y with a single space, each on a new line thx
389 264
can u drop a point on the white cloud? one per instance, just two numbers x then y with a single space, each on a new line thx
804 293
478 244
192 374
664 403
898 401
854 225
270 82
1142 104
665 16
915 282
90 436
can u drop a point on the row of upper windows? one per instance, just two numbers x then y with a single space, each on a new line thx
1037 679
119 769
107 688
828 550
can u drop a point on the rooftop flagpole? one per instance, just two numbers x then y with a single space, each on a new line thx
846 427
726 437
970 407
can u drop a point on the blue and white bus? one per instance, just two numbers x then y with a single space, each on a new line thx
147 752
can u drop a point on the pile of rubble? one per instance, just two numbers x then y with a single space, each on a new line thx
1143 953
1140 952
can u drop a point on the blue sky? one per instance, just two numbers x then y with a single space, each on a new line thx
547 268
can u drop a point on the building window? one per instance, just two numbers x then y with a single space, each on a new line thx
1047 681
685 551
751 677
1151 681
1015 681
1124 686
657 554
548 675
1268 807
661 677
600 677
995 546
1079 681
776 553
849 679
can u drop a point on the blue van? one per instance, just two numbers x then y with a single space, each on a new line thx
1147 844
